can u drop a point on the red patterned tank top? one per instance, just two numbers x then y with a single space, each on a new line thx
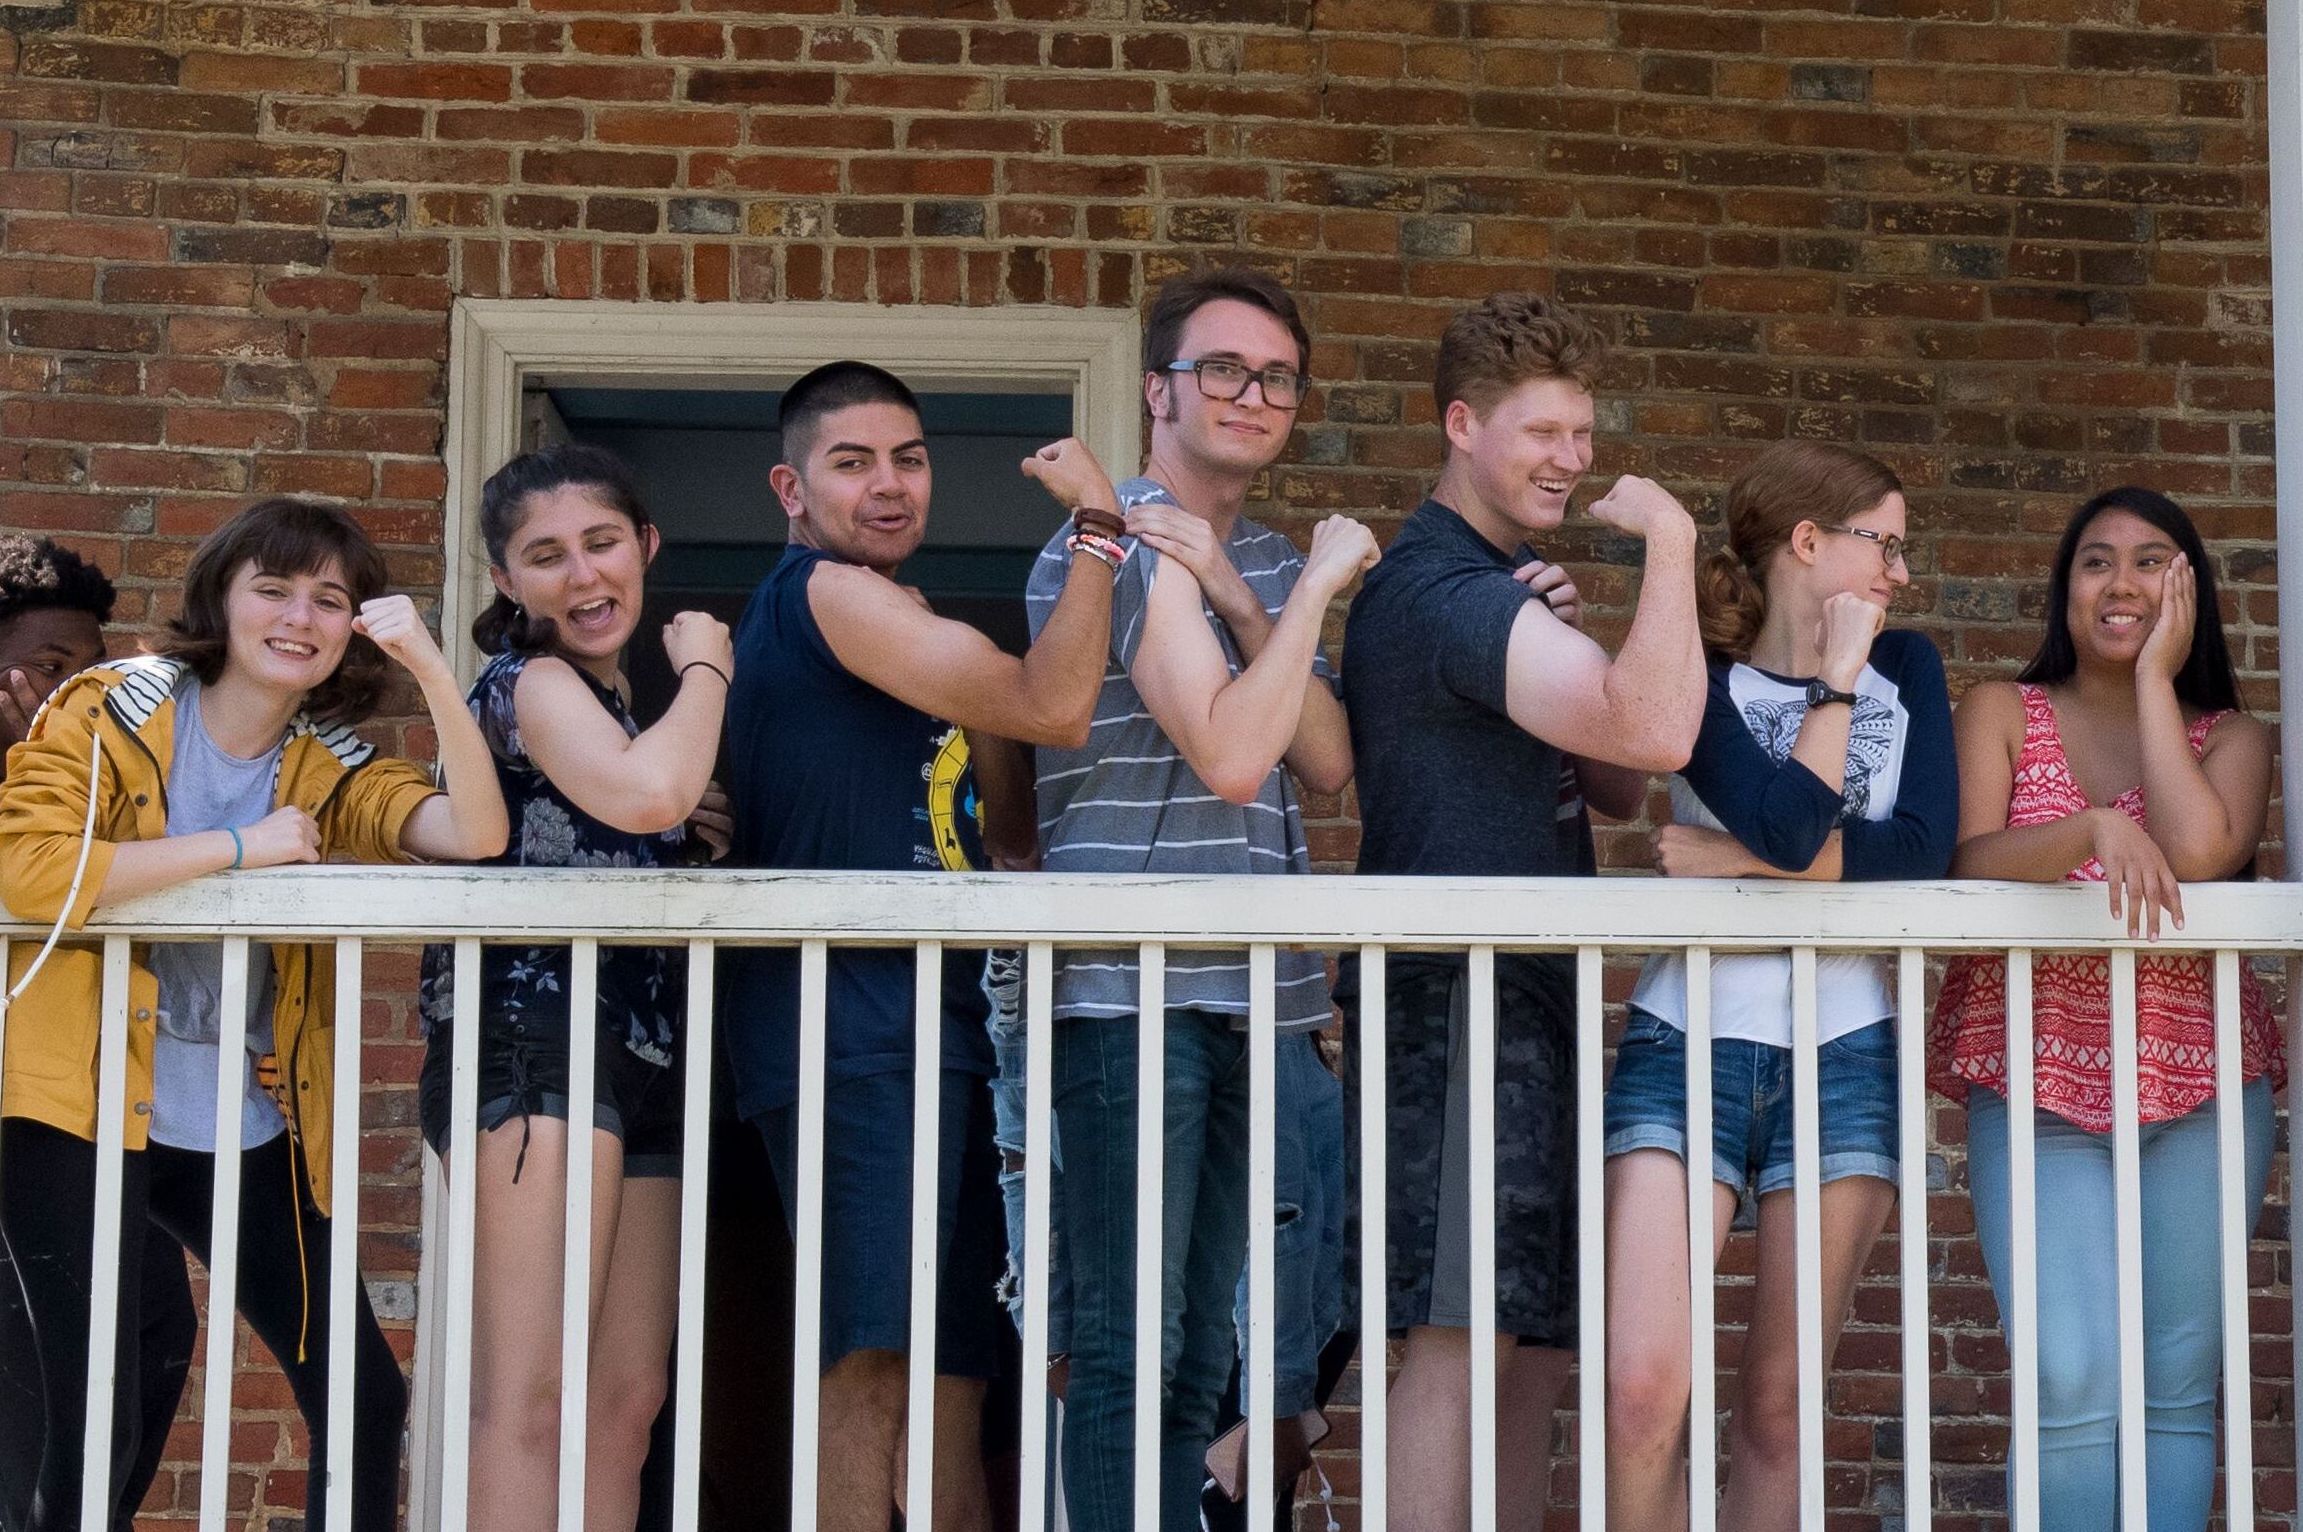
2071 991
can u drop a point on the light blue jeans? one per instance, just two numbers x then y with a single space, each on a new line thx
2079 1302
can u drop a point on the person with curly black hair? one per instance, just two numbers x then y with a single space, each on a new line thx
53 607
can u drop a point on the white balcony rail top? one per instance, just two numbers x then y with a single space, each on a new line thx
435 903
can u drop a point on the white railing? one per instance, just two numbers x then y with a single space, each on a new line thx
351 907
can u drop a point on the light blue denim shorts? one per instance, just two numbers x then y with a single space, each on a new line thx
1751 1104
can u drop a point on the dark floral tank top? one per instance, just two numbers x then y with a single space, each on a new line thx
642 989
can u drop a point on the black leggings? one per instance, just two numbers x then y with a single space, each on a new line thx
47 1226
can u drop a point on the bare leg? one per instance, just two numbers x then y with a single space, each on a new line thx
1763 1436
1430 1439
860 1416
1430 1436
963 1503
1647 1335
1529 1380
516 1325
635 1307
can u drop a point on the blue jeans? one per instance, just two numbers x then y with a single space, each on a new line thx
1004 985
1203 1242
1307 1244
2079 1302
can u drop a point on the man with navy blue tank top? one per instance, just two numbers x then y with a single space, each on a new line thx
849 739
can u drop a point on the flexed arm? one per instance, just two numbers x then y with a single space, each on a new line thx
1320 752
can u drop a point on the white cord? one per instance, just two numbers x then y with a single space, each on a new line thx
72 895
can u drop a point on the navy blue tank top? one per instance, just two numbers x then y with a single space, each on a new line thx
828 772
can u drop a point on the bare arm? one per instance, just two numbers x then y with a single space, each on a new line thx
466 819
1643 708
949 669
2207 811
1989 727
1010 797
888 640
1320 753
641 784
1619 792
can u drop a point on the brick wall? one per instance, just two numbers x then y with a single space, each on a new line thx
2016 247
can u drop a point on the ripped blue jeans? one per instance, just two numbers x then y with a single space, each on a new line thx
1004 985
1307 1245
1308 1254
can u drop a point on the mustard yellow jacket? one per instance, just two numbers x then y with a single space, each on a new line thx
359 800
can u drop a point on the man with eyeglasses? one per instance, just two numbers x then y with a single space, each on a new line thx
1215 702
1472 689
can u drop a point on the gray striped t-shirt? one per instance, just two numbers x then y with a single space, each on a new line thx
1129 802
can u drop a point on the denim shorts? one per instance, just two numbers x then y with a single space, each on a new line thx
867 1224
1751 1104
524 1070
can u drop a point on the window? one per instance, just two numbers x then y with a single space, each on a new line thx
984 374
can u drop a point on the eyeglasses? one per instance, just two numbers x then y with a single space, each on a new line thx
1228 381
1891 548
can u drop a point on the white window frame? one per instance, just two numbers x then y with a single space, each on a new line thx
498 347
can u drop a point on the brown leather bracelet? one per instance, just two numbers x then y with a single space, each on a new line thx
1099 520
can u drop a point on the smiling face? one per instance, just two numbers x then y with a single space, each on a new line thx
1524 456
578 563
1232 437
286 633
861 493
2118 574
1844 561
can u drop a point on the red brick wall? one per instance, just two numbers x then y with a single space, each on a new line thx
2016 247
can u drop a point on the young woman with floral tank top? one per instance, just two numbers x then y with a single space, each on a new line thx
2119 756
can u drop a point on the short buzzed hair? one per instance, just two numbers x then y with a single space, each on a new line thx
1508 339
831 387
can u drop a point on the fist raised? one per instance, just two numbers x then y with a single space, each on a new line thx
693 636
1643 508
1340 549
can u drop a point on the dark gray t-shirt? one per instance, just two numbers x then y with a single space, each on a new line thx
209 790
1448 784
1129 802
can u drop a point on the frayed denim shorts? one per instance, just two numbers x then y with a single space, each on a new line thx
1751 1114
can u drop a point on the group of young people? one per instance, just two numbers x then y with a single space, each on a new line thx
1173 703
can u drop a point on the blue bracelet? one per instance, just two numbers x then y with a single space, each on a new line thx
237 848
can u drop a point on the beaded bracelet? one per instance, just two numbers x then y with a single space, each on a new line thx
1098 547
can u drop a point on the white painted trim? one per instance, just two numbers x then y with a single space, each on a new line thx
496 346
2283 108
979 909
2283 90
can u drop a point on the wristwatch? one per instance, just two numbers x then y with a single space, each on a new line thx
1820 691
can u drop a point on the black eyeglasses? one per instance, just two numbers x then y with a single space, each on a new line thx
1219 378
1891 548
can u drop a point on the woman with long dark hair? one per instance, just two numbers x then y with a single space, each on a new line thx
229 746
569 543
2121 755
